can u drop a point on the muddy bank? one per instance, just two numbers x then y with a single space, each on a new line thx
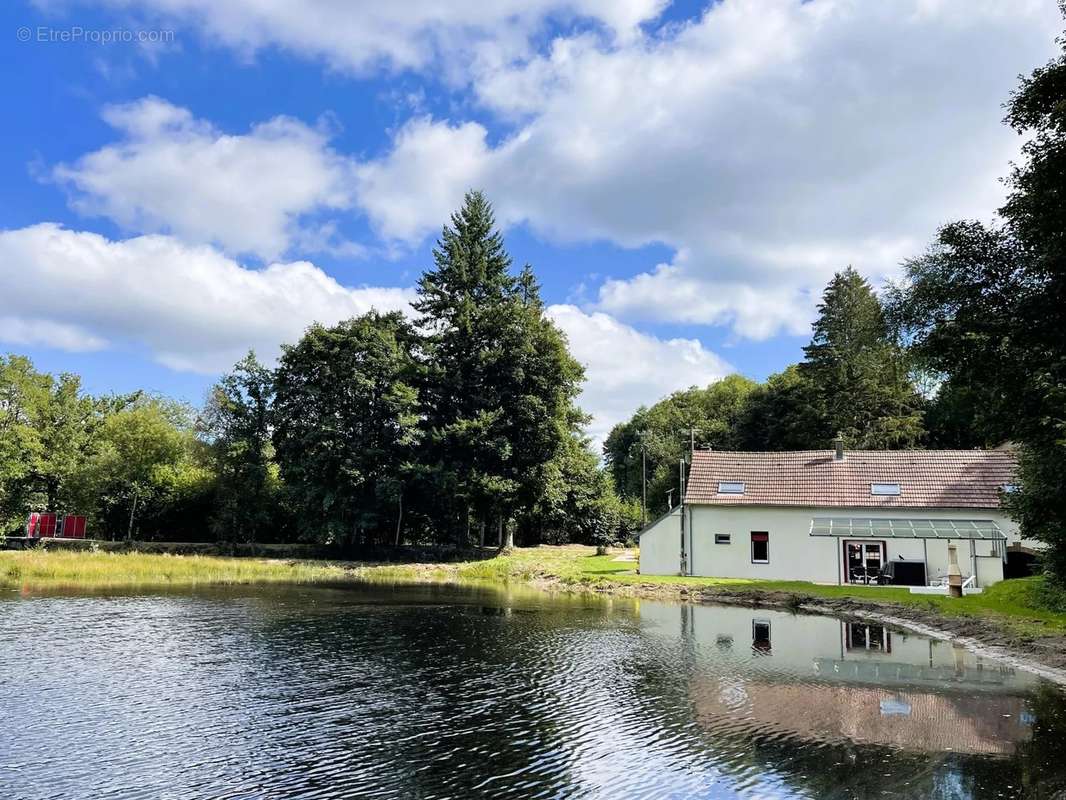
1044 655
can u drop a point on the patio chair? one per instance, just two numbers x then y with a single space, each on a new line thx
859 575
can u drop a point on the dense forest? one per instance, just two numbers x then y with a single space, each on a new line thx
460 427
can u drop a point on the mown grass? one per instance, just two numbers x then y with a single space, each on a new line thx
35 569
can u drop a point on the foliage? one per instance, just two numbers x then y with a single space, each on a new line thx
986 307
498 382
664 433
46 426
578 502
142 464
345 417
236 424
861 386
785 413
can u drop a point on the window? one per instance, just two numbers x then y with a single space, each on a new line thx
760 635
730 487
859 636
884 489
760 547
723 538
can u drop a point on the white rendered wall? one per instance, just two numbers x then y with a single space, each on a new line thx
796 555
660 546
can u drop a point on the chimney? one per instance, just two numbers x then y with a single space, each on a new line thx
838 445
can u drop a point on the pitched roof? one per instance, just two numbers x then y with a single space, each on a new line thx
927 478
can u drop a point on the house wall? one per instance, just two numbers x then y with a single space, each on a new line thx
794 553
660 546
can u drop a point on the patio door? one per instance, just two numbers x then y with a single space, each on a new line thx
862 560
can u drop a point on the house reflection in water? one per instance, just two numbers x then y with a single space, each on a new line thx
820 680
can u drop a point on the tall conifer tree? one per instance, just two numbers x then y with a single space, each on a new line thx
498 380
857 371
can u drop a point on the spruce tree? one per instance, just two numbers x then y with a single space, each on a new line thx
858 373
498 382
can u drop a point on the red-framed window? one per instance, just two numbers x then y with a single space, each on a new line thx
760 547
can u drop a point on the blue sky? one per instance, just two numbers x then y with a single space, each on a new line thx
683 177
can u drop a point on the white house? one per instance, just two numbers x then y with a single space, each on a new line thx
831 516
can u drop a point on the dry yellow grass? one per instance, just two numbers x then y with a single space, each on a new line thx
81 570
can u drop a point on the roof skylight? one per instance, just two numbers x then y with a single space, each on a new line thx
730 487
884 489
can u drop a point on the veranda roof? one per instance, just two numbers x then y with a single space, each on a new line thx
885 528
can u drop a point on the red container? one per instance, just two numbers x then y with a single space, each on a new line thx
73 527
46 525
33 525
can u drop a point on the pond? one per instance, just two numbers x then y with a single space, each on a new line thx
438 692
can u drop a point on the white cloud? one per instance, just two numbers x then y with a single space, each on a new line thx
422 178
416 34
197 310
625 368
51 333
194 308
249 193
769 143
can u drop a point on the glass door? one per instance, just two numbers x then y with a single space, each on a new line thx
863 561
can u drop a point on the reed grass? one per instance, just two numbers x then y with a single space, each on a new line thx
35 569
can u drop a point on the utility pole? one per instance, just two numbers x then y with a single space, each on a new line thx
681 505
691 439
643 478
643 484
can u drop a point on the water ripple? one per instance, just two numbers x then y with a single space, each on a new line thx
434 693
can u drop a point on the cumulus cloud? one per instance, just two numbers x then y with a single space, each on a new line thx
626 368
193 307
769 143
197 310
358 36
249 193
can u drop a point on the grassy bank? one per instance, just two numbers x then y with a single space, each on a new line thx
59 569
1020 606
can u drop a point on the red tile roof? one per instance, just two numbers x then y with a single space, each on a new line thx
927 478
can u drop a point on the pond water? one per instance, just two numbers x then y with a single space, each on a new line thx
443 692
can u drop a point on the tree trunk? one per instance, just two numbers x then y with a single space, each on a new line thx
399 518
481 534
133 510
508 541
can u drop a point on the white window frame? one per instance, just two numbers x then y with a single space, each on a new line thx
731 487
723 538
